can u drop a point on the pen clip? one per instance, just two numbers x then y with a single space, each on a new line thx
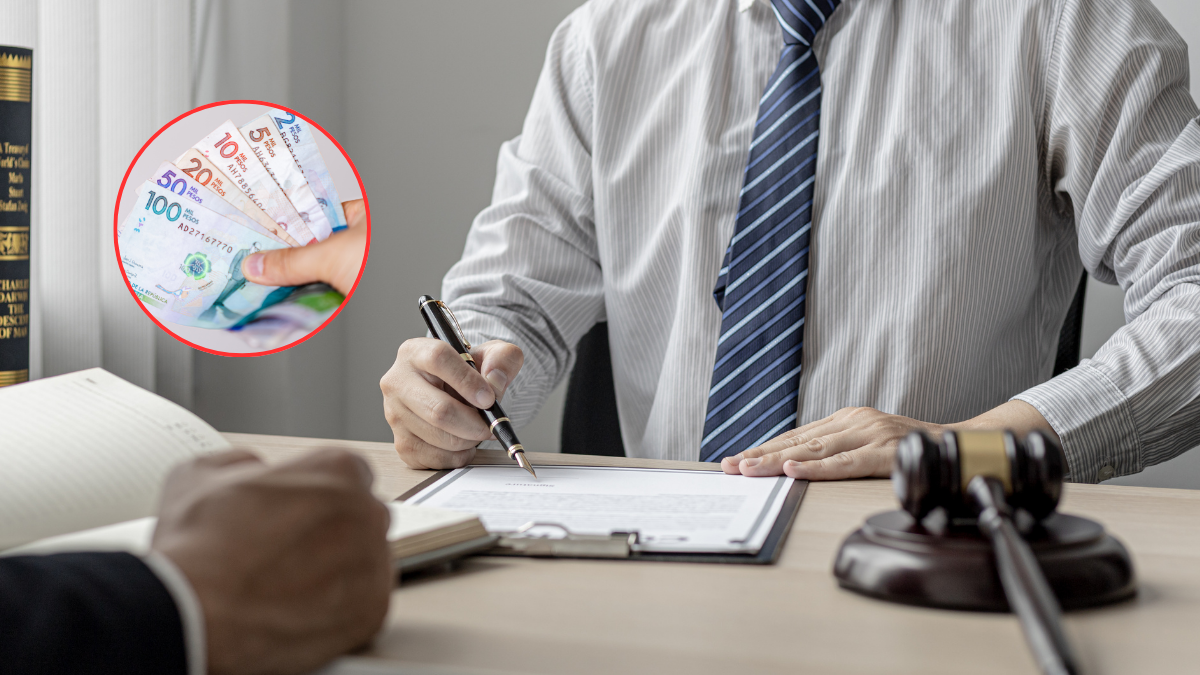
461 335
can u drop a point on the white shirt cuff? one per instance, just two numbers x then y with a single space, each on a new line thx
190 613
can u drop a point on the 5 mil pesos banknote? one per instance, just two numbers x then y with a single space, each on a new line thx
187 260
226 148
268 146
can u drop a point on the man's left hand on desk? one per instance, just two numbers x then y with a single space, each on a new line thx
861 442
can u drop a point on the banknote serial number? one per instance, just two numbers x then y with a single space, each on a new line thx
173 211
206 238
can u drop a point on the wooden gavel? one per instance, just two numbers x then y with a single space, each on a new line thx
986 475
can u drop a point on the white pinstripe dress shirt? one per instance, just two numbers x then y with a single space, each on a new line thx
974 158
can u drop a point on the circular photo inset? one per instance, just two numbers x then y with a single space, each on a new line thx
242 228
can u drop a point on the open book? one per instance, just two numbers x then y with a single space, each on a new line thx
83 457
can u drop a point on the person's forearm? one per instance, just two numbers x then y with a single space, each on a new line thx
1018 416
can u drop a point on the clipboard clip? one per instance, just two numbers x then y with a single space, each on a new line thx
570 545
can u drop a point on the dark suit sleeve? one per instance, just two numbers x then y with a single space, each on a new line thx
87 613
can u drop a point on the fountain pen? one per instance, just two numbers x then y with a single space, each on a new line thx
444 326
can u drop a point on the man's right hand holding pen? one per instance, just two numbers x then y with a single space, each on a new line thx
426 394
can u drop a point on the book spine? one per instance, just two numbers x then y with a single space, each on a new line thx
16 132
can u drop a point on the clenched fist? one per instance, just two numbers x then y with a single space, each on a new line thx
290 562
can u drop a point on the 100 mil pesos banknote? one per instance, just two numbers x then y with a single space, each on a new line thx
184 259
171 178
226 148
303 146
194 164
267 145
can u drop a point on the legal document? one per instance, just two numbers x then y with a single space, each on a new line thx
671 510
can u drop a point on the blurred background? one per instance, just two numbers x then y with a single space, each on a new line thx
421 94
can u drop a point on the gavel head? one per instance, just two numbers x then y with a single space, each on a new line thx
932 472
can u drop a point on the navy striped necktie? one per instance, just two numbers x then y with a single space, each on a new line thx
761 285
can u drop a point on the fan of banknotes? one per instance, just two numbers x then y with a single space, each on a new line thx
237 191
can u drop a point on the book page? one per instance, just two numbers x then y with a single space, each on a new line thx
134 536
671 510
88 449
409 520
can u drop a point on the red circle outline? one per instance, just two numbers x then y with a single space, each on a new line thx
366 208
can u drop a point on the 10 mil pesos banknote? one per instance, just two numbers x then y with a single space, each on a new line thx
267 145
226 148
303 146
184 259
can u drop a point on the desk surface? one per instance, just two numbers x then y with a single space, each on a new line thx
515 615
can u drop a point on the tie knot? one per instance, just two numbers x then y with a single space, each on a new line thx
802 19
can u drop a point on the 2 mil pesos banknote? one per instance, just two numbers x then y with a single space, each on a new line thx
184 259
300 142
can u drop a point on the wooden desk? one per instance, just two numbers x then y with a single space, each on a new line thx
508 615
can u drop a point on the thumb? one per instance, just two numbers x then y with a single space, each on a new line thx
499 362
287 266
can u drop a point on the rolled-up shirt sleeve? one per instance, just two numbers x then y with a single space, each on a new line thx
530 271
1122 143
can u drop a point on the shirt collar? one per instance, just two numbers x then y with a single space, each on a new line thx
744 5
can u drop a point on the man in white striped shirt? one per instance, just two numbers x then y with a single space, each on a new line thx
973 160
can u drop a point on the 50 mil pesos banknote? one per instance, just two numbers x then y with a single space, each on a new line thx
173 179
187 260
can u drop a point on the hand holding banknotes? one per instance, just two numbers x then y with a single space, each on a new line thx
424 395
190 238
335 261
289 562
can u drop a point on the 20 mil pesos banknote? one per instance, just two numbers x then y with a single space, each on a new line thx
187 260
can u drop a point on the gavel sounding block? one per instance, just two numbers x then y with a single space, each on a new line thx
893 557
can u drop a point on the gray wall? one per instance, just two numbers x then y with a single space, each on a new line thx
426 143
422 94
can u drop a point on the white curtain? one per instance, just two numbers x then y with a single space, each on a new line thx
107 75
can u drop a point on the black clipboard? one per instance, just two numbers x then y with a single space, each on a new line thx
767 555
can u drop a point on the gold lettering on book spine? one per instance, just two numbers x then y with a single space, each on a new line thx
16 77
14 243
8 377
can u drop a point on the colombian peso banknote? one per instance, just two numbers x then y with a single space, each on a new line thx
187 260
171 178
226 148
297 315
194 164
267 145
303 146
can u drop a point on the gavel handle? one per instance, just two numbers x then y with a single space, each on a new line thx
1026 587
